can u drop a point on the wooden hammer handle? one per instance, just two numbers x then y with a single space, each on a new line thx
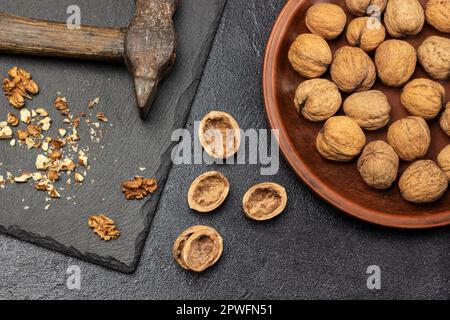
44 38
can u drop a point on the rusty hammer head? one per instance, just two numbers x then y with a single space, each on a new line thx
150 48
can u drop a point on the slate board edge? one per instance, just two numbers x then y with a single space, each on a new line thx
149 207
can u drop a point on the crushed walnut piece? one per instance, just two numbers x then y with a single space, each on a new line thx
101 117
12 120
139 188
19 86
104 227
6 133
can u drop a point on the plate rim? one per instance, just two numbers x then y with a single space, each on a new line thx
296 162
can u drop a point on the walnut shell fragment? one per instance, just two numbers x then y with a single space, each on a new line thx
396 61
361 7
423 98
139 188
437 13
366 32
317 99
310 55
444 122
410 137
208 191
369 109
434 56
264 201
326 20
404 18
423 182
378 165
219 134
352 69
341 139
198 248
104 227
443 160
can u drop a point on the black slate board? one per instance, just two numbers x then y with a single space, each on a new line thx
127 145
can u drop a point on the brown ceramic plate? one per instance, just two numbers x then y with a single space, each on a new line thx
340 184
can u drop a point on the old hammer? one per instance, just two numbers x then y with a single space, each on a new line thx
147 46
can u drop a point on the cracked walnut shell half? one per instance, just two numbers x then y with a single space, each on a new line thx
404 18
361 7
396 61
341 139
352 69
423 98
369 109
104 227
366 32
423 182
264 201
219 135
310 55
317 99
208 192
434 56
410 137
326 20
437 14
198 248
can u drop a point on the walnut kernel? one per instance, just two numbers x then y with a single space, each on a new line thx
264 201
434 56
13 120
208 192
366 32
326 20
139 188
104 227
404 18
423 98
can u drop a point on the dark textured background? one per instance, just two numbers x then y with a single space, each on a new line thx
312 251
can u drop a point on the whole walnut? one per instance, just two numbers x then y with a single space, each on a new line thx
396 61
443 160
317 99
369 7
352 69
434 56
410 137
369 109
404 18
437 13
341 139
326 20
444 122
365 32
310 55
423 182
423 98
378 165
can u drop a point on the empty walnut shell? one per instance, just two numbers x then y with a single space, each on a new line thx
423 98
404 18
434 56
423 182
410 137
310 55
264 201
369 7
352 69
437 14
326 20
208 191
444 122
396 61
443 160
366 32
317 99
378 165
369 109
341 139
198 248
219 134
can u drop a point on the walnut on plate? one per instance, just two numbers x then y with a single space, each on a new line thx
396 61
104 227
208 192
369 109
444 121
404 18
443 160
264 201
366 32
423 98
369 7
326 20
310 55
434 56
317 99
423 182
437 13
352 69
410 137
341 139
378 165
